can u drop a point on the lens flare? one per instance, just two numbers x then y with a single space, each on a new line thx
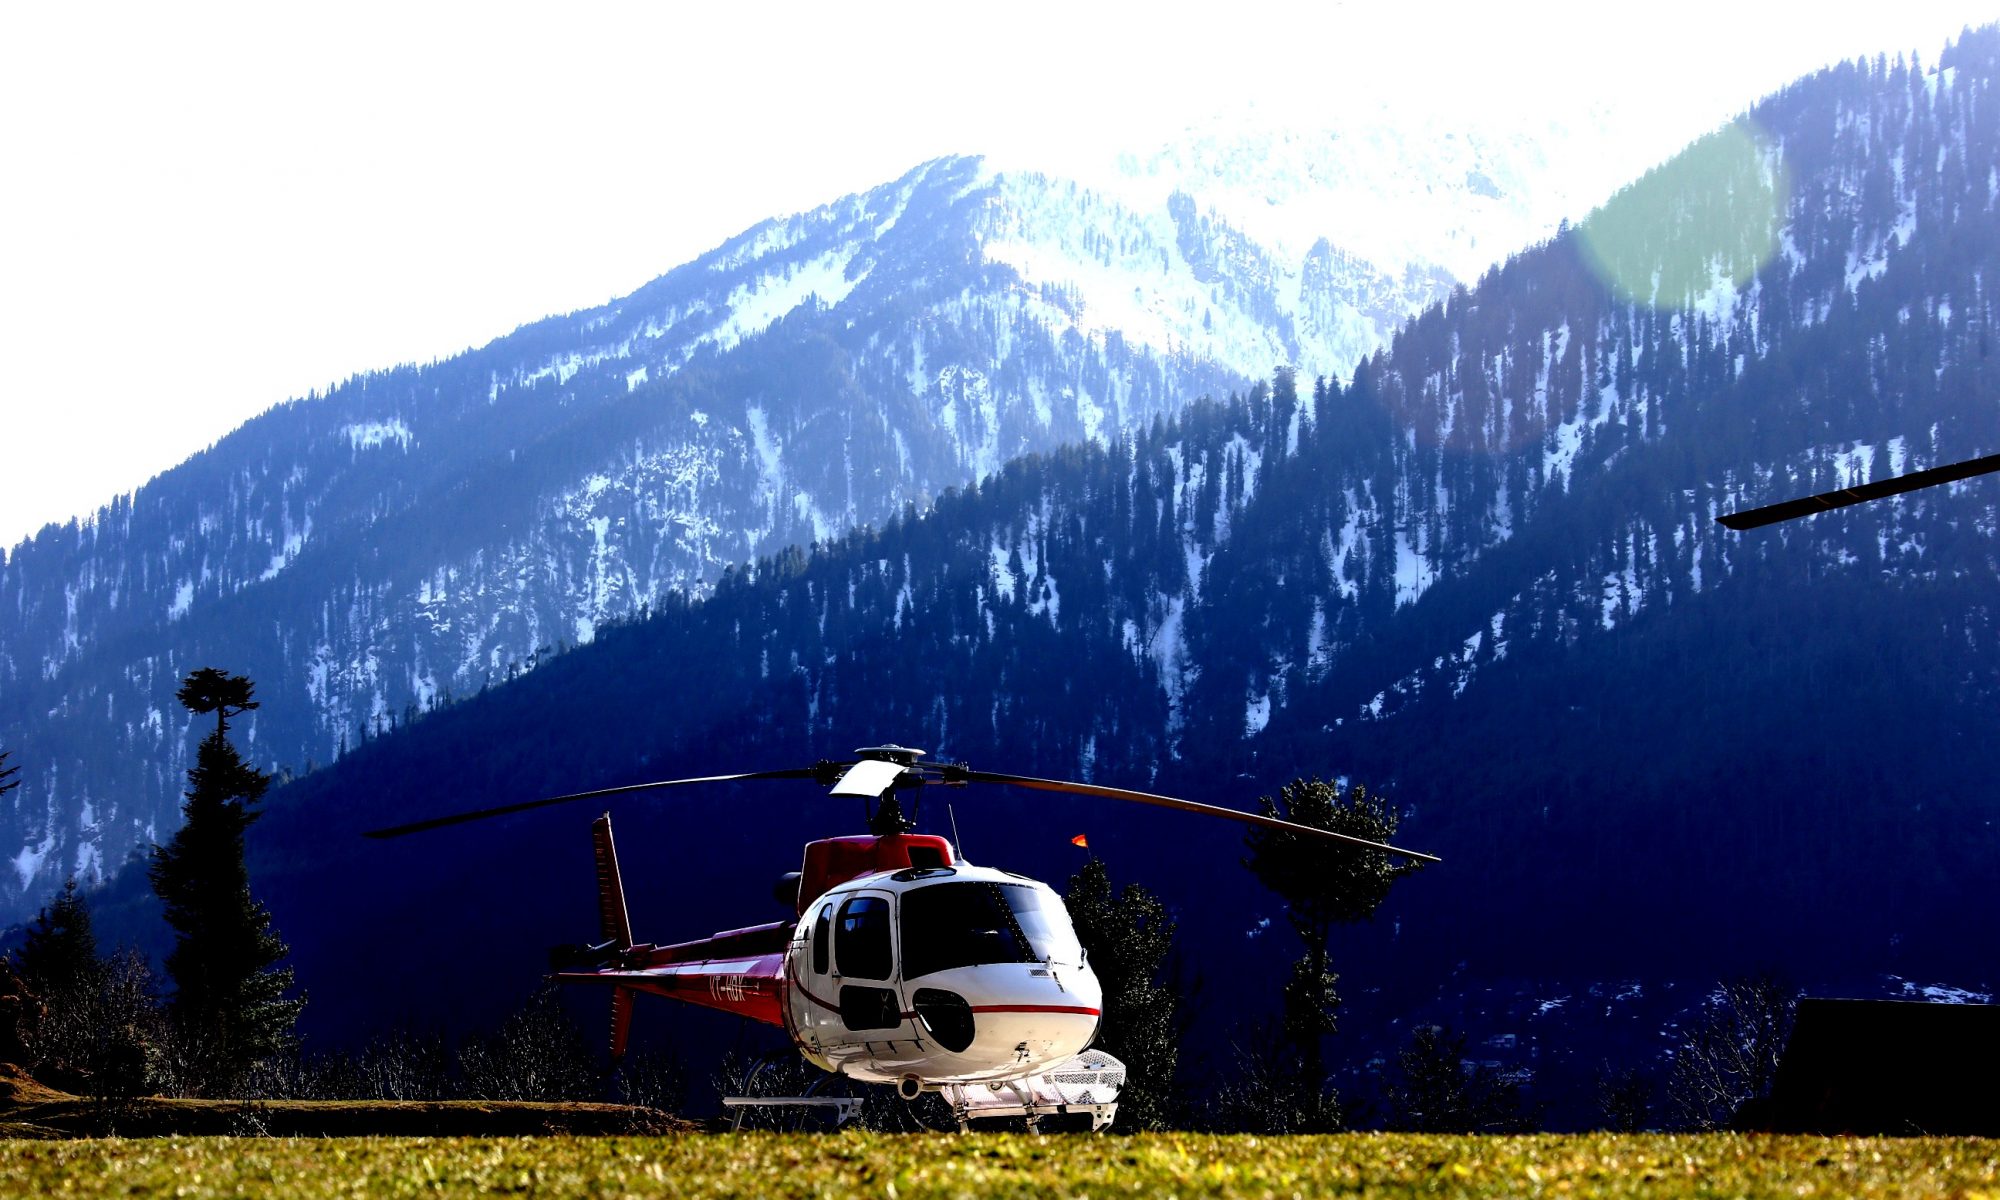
1693 231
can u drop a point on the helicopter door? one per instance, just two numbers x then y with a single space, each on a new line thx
812 1006
865 963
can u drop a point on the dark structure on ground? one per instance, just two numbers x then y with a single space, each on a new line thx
1885 1067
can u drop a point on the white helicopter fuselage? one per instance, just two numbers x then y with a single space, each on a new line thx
936 976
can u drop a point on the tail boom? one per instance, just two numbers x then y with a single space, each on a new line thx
750 986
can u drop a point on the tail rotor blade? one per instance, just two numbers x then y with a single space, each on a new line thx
958 774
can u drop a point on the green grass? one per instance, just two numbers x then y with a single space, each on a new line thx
1006 1165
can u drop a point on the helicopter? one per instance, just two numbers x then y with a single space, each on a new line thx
903 964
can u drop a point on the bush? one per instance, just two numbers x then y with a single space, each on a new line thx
1438 1091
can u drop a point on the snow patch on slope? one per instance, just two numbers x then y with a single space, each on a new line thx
367 435
755 306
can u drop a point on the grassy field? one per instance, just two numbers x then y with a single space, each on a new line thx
1006 1165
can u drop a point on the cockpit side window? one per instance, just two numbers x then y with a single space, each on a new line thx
865 951
1042 917
823 939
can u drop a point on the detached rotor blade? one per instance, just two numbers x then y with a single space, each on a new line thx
525 805
1806 506
953 774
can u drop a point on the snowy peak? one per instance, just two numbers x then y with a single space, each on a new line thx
1254 242
1395 185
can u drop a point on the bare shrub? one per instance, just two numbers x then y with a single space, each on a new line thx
1436 1090
1624 1098
1275 1090
653 1079
1730 1053
406 1065
537 1054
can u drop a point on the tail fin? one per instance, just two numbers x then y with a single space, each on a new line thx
614 925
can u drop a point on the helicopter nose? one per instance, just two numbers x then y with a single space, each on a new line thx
1024 1015
1034 1031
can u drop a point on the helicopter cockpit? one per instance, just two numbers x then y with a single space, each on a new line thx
975 922
958 972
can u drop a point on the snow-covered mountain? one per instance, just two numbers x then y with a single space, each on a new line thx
1328 236
1398 187
420 533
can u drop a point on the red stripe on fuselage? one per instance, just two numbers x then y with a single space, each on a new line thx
978 1008
808 994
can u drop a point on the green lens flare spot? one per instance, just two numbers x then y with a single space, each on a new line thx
1692 232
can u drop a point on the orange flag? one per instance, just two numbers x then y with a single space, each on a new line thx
1080 840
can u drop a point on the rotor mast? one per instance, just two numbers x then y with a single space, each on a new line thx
885 815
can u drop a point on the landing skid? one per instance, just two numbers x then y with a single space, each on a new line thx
844 1107
848 1101
1077 1095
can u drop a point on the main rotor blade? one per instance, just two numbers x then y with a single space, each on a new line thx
525 805
1806 506
1211 810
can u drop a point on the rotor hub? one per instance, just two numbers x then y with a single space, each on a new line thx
900 755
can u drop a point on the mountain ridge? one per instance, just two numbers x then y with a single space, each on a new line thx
419 533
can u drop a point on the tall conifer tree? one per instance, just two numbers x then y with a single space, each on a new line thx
58 963
58 957
229 1000
1127 937
1323 884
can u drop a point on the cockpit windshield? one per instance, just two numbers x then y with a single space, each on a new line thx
968 924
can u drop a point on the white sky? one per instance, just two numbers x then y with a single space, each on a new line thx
205 210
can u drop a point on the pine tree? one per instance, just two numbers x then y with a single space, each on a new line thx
58 958
7 782
58 963
229 1005
1322 883
1126 939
